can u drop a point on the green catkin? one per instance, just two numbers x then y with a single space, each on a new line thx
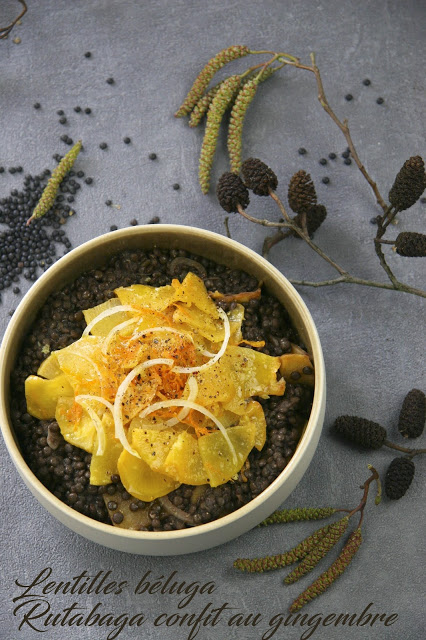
49 194
311 560
236 122
270 563
326 579
219 105
202 106
202 81
296 515
204 102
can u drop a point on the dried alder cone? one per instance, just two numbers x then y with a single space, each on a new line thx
413 414
371 435
316 546
410 244
301 192
409 184
366 433
258 177
232 193
398 478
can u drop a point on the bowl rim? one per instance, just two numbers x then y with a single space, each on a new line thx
29 301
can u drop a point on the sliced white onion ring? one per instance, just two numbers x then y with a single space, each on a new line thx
105 314
121 391
97 422
197 407
116 329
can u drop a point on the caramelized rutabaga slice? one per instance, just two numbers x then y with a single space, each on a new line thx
129 513
297 367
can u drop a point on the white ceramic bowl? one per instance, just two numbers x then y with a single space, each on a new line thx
220 249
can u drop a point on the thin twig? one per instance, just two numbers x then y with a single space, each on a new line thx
343 126
397 447
395 285
366 487
4 31
270 241
226 222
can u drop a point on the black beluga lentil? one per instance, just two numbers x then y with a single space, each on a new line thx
28 250
64 469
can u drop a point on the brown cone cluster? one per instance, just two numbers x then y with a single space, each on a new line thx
231 192
409 184
411 245
398 477
259 177
301 192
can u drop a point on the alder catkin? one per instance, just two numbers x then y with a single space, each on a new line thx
219 104
202 81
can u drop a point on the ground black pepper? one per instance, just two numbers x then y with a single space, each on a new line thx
64 470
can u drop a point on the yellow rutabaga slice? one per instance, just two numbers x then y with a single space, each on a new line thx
76 425
142 295
153 445
184 462
81 361
193 319
236 319
42 395
253 374
193 292
49 368
215 384
111 317
255 414
141 481
103 466
218 462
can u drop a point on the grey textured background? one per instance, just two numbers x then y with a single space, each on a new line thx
373 340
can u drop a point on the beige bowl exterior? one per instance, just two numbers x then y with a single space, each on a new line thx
219 249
